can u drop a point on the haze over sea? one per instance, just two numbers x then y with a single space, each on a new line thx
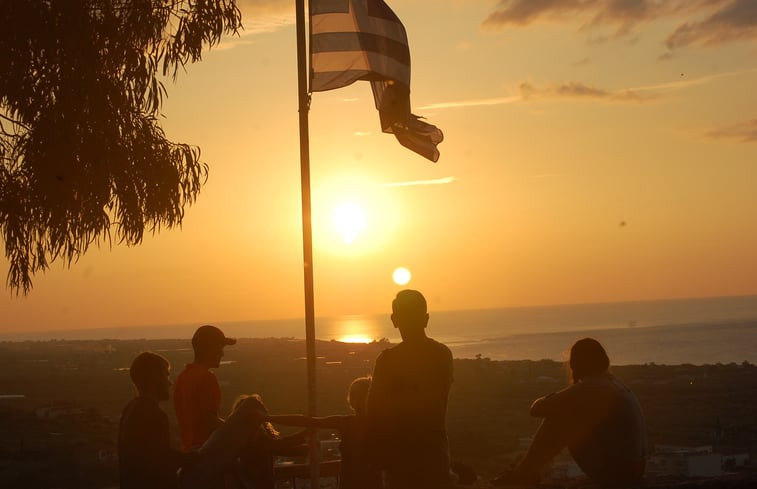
695 331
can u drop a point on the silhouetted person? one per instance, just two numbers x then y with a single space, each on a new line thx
357 470
219 455
145 459
197 395
255 462
407 402
597 418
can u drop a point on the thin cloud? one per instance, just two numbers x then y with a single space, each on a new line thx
464 45
576 90
265 16
471 103
582 62
736 21
745 132
362 133
622 14
265 7
545 175
724 20
581 91
691 82
436 181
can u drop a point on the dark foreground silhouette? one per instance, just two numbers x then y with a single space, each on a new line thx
396 437
145 459
597 418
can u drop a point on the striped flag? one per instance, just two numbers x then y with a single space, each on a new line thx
354 40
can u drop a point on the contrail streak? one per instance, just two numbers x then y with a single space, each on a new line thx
472 103
437 181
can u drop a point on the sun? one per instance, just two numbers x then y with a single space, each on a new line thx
349 221
401 276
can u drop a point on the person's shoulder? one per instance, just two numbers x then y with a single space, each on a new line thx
185 372
196 373
440 347
389 352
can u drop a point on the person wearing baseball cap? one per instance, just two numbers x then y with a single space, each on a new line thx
197 394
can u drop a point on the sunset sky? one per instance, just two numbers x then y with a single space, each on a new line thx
595 150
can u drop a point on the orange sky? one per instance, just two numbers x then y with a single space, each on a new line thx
592 153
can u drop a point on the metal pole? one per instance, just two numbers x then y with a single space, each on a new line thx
307 231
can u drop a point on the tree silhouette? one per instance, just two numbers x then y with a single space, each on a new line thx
83 159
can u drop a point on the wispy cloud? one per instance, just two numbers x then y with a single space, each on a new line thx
362 133
582 62
436 181
576 90
692 82
733 22
259 17
265 7
745 132
464 45
471 103
529 92
545 175
621 14
702 22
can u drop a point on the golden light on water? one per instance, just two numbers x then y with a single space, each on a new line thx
401 276
355 338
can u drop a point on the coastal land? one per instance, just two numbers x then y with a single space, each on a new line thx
60 401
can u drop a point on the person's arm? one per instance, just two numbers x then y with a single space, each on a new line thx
292 445
556 403
332 422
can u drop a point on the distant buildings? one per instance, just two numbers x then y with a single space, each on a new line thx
666 461
673 460
57 410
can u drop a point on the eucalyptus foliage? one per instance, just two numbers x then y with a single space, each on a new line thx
83 159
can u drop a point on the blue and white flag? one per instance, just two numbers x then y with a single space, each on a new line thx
354 40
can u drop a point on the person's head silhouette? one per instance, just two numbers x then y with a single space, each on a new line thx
358 394
207 343
409 314
150 374
587 357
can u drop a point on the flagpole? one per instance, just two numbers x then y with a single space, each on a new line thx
307 230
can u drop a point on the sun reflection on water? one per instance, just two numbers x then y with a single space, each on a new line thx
356 329
355 338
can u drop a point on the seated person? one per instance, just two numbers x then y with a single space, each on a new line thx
256 460
145 459
220 454
597 418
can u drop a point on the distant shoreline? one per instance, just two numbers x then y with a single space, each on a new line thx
594 316
696 331
725 342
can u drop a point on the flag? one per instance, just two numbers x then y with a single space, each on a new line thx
354 40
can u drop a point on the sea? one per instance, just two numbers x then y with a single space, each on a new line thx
681 331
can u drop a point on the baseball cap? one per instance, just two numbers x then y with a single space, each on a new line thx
210 336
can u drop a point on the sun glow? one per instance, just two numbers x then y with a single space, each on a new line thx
349 220
354 216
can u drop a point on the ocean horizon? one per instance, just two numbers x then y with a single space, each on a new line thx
675 331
